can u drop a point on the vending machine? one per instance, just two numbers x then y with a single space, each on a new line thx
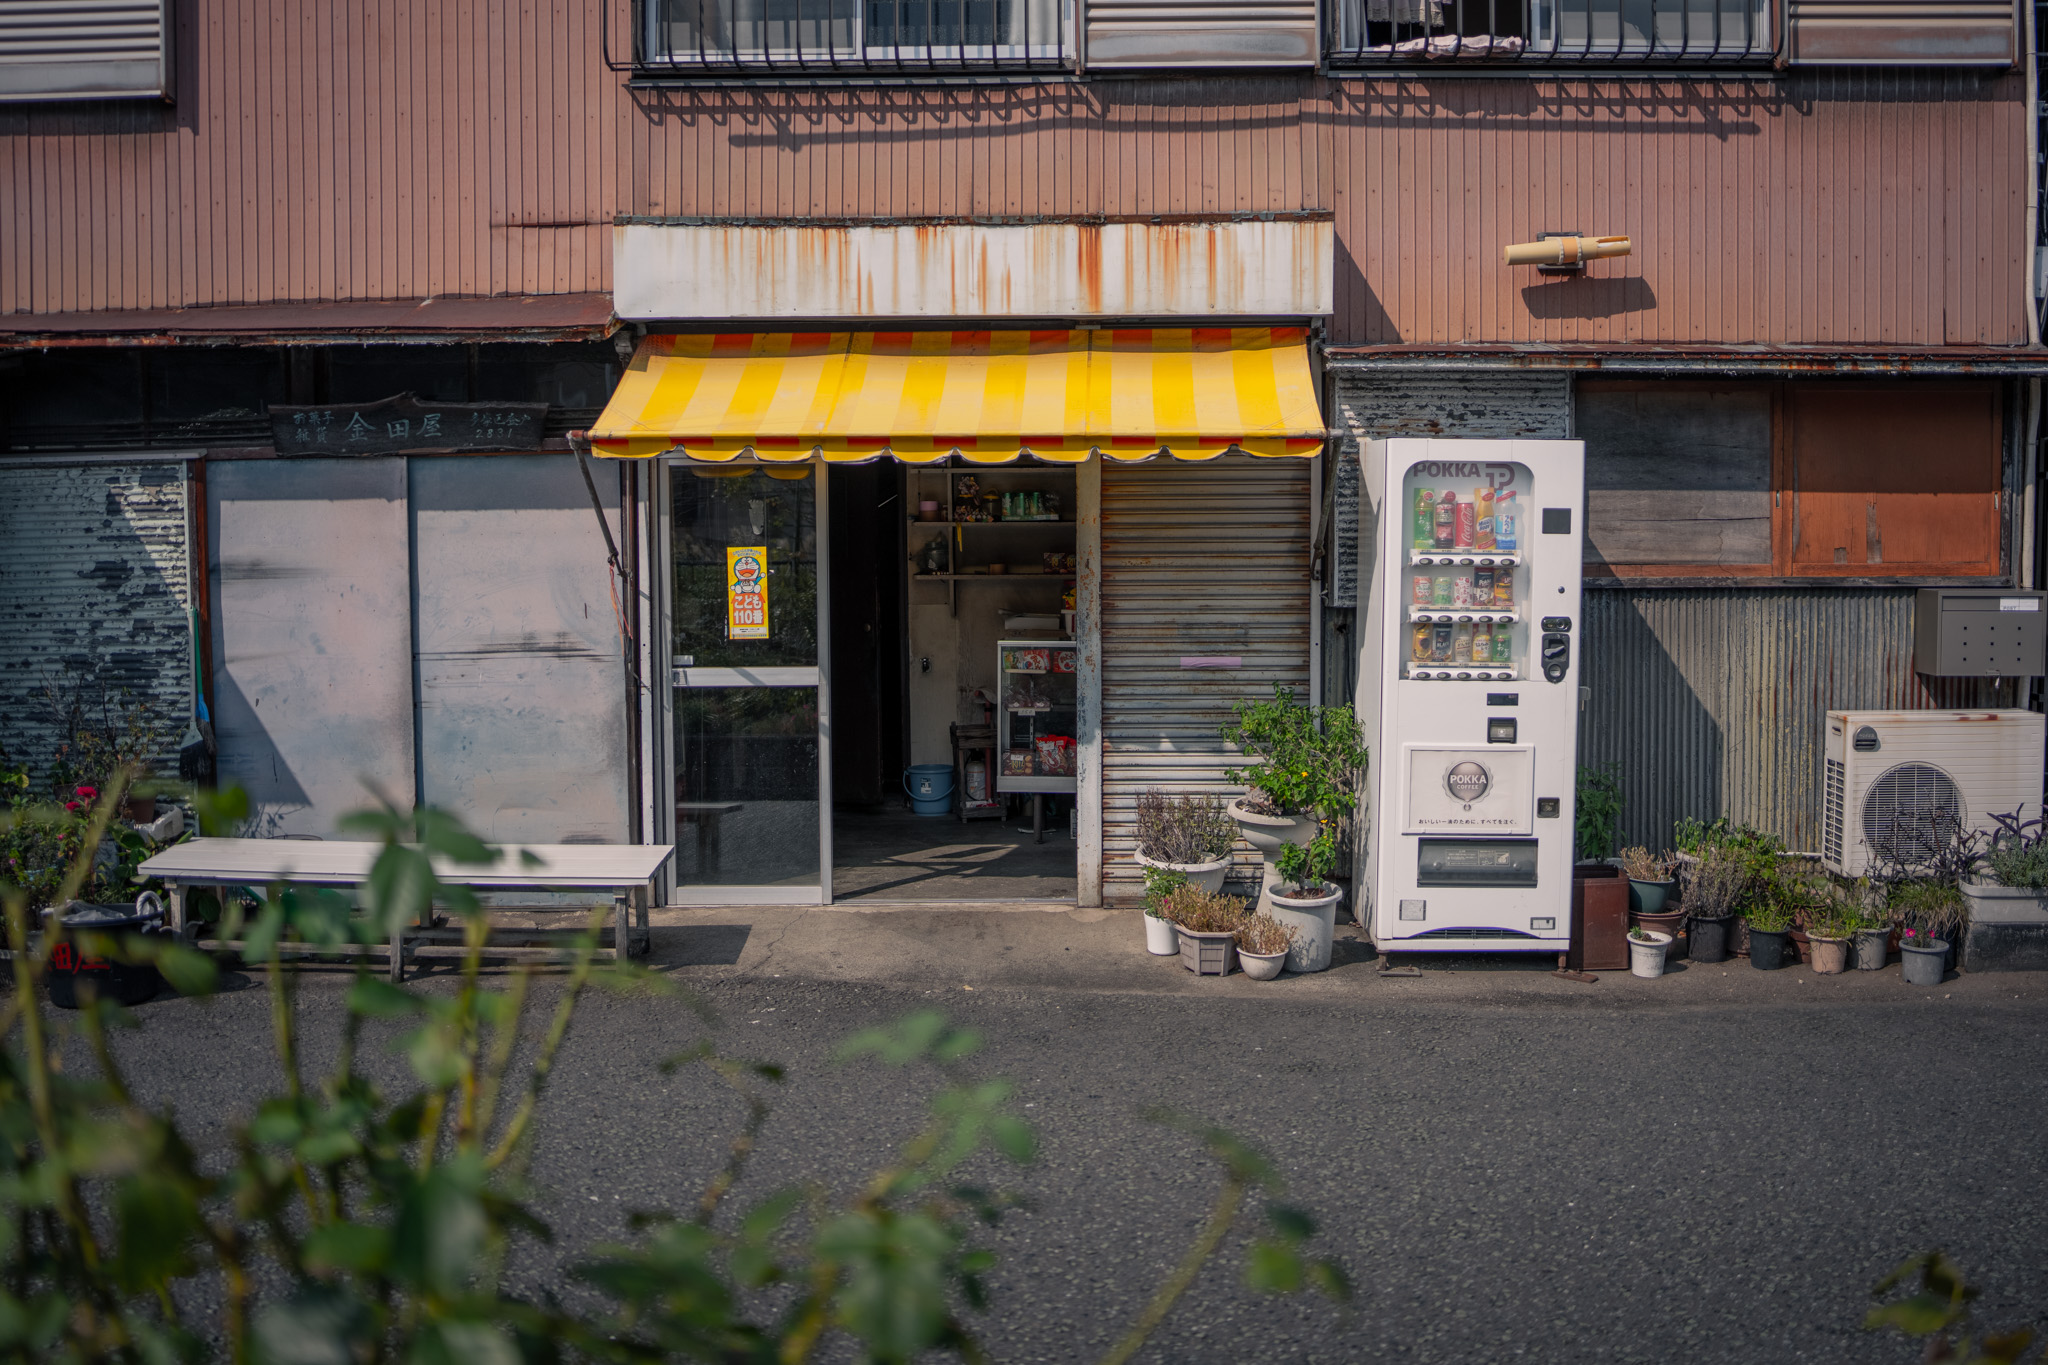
1468 692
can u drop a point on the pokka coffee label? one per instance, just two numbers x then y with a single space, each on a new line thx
1456 790
746 592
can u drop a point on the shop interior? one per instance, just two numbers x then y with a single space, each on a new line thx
952 681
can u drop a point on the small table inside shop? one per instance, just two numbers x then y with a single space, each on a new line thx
625 871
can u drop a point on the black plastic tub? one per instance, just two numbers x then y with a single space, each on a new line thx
1767 950
1707 939
124 983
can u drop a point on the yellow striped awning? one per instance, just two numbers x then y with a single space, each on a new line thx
990 397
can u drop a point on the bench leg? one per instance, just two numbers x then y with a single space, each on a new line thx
622 929
397 969
643 945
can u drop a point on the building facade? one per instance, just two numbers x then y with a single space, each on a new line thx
1810 389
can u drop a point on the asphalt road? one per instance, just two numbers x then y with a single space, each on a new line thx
1509 1171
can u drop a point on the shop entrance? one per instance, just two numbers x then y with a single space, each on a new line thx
952 755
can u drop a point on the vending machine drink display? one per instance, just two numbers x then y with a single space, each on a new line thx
1468 693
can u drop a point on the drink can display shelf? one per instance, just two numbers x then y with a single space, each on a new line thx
1425 615
1459 673
1482 558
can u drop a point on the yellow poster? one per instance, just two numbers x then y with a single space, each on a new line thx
746 592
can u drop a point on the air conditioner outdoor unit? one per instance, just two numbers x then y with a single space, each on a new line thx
1897 781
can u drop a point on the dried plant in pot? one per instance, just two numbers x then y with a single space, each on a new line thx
1262 944
1716 880
1190 835
1207 924
1652 889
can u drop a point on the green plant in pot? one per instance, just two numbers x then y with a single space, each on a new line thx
1830 916
2007 896
1596 813
1190 835
1161 939
1932 915
1768 914
1305 899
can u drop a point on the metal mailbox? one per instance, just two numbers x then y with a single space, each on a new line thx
1980 632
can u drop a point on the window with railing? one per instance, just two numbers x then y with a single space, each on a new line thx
700 36
1372 32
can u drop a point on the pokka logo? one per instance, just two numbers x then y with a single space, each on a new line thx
746 572
1467 781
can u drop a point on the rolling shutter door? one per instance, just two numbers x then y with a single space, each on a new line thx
1901 32
1154 33
98 586
83 49
1205 601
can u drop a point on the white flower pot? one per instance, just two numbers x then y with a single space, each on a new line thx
1209 876
1314 921
1161 938
1269 834
1261 966
1647 959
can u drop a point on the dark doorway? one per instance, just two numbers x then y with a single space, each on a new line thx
868 648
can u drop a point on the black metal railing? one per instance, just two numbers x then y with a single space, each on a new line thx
684 38
1641 32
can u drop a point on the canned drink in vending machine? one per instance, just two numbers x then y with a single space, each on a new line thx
1440 644
1425 519
1482 642
1482 588
1461 590
1504 587
1445 532
1504 644
1506 519
1482 500
1461 644
1440 591
1419 647
1422 590
1468 524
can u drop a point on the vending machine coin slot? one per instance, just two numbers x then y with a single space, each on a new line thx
1557 656
1500 729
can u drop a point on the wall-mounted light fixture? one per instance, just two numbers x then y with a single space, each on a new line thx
1564 253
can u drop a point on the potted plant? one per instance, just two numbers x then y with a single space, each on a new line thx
1714 883
1596 813
1305 900
1923 958
1262 944
1190 835
1652 891
1870 935
1161 938
1207 925
2007 898
1646 949
1830 916
1312 761
1768 917
1932 915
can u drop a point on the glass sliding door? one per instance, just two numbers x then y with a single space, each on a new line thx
747 600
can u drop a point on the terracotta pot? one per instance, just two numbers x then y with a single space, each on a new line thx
1828 956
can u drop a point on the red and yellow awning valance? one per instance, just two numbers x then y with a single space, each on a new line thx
991 397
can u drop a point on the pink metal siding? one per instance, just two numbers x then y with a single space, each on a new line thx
372 150
1853 207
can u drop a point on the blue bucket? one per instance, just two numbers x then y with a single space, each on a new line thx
930 786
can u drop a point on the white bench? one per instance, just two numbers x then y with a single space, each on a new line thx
626 871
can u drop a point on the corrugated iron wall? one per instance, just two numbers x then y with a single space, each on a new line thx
372 150
1217 145
1712 701
96 605
1202 565
1866 207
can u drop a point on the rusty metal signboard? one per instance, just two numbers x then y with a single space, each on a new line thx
406 426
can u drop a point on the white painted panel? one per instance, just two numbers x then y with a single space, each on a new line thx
312 637
522 700
1047 270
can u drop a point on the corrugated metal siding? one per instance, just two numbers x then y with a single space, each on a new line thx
1712 701
1197 561
1223 33
1858 207
1473 405
98 591
1216 145
1901 32
373 150
102 50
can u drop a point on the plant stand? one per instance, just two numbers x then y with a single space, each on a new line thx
1269 834
1599 941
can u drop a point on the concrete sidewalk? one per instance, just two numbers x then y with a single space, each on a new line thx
1051 946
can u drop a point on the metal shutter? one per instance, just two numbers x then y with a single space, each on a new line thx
84 49
1205 562
1901 32
1151 33
98 587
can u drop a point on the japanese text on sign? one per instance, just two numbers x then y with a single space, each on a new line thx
746 592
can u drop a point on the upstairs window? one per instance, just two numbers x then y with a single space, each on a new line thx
1374 32
808 35
84 50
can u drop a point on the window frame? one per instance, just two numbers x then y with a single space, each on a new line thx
1783 569
856 59
1442 40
